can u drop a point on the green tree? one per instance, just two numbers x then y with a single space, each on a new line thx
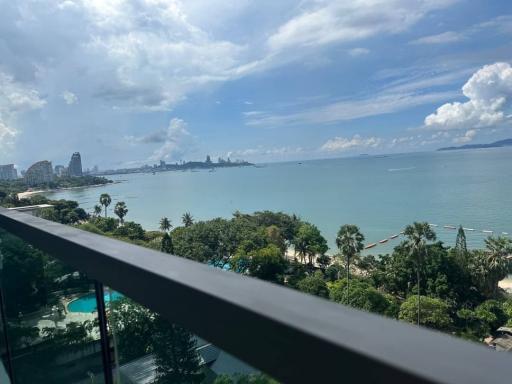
434 312
483 320
105 201
265 263
97 210
461 247
121 210
175 354
308 242
314 284
350 242
275 237
417 235
363 296
133 325
187 219
130 230
498 265
166 244
165 224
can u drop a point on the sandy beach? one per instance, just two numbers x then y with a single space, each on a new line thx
24 195
28 193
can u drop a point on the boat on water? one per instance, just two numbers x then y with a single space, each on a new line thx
468 229
486 231
393 237
434 225
504 233
449 227
383 241
370 245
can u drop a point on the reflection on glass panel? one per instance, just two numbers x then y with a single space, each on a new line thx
53 339
152 350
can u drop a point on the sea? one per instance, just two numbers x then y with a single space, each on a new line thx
381 194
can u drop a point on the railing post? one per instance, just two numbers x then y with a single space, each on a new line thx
105 344
8 353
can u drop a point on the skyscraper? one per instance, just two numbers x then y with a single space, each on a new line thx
75 165
8 172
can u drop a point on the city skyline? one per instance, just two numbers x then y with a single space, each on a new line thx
261 81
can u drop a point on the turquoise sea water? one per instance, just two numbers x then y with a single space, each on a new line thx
379 194
87 303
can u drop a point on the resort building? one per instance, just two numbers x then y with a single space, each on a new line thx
39 173
75 165
8 172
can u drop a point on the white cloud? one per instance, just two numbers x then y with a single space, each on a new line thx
401 140
340 144
325 22
176 140
355 52
489 91
466 138
15 98
69 97
441 38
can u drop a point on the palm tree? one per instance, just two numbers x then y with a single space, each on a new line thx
417 235
496 262
105 200
97 210
165 224
121 210
187 219
350 242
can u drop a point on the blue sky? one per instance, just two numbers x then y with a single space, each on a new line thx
135 81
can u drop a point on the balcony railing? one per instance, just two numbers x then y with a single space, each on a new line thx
293 337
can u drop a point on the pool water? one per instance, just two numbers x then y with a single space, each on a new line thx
87 303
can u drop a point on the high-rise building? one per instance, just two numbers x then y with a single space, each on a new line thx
60 170
75 165
39 173
8 172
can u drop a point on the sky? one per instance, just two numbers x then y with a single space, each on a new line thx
130 82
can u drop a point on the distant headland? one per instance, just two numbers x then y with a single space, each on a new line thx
496 144
208 164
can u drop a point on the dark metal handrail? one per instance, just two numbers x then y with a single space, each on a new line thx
294 337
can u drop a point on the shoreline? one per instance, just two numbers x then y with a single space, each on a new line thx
23 195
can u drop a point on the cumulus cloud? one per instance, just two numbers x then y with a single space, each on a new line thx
466 138
340 144
441 38
176 140
69 97
489 91
15 98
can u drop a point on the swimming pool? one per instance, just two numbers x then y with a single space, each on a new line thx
87 303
